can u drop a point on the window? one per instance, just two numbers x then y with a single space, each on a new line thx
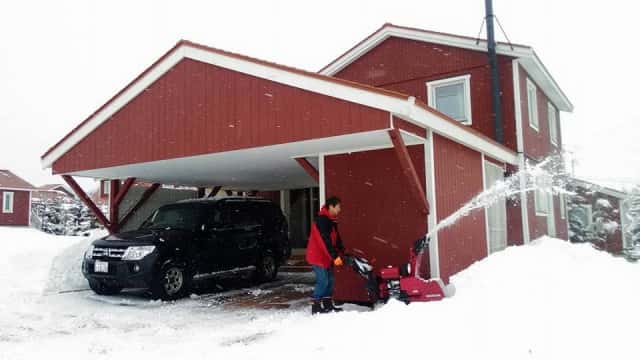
553 124
452 97
106 187
7 202
532 104
542 195
563 206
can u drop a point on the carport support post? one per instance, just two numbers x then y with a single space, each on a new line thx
116 194
409 170
87 201
114 189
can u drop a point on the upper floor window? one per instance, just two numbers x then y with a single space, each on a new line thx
532 104
7 202
553 124
451 96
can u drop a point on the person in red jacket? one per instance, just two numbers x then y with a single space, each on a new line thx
323 253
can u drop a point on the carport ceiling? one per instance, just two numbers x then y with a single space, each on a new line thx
263 168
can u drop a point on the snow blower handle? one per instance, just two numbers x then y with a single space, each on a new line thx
420 244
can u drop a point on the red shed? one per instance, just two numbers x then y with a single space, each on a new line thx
204 117
15 193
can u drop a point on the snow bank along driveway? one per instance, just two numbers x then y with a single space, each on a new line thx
546 300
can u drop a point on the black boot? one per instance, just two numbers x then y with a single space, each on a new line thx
316 308
327 304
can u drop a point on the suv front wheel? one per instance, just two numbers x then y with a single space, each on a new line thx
171 282
266 268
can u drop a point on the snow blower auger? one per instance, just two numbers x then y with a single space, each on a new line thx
398 282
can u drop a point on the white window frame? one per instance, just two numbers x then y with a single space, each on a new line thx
532 110
563 206
465 80
553 125
542 194
106 187
7 202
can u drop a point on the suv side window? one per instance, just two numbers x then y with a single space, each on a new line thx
237 213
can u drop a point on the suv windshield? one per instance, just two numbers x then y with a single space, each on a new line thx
175 217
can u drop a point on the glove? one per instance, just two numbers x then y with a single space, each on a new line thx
337 261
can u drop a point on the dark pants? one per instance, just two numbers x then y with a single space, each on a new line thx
324 282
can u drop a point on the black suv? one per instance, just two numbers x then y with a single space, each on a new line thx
189 238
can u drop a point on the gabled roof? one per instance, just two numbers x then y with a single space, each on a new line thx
9 180
50 187
404 106
526 56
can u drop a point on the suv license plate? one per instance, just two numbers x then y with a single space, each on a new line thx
101 266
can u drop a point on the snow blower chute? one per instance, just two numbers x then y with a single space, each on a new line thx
398 282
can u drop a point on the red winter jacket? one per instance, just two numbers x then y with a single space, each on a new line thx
325 243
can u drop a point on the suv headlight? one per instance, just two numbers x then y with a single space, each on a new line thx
137 252
88 255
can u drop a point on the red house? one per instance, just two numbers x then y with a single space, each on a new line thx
15 193
400 127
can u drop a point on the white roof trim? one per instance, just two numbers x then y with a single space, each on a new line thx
599 188
405 108
14 189
529 60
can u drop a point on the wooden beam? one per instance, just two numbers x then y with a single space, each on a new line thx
87 201
214 191
124 189
306 165
229 192
114 189
145 196
415 185
201 192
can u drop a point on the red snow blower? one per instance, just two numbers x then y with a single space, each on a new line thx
398 282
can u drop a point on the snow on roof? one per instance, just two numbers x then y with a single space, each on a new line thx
599 188
9 180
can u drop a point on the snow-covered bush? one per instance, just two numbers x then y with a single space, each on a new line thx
63 216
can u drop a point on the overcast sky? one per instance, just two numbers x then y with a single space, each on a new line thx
60 60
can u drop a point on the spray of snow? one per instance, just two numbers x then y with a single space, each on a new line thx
548 176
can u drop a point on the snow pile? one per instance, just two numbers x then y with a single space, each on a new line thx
65 273
545 300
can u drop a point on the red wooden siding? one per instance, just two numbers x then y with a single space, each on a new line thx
514 216
198 108
406 65
379 216
537 143
458 178
20 215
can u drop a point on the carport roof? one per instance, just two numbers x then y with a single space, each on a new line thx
403 106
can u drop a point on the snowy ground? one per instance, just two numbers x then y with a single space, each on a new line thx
546 300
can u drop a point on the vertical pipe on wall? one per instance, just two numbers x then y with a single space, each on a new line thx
495 79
